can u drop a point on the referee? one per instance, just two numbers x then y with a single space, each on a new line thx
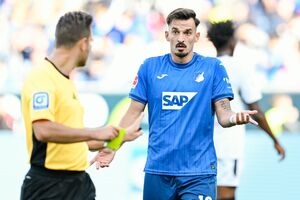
57 142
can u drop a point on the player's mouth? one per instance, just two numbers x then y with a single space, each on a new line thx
180 46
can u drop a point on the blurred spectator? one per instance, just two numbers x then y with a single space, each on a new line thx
264 15
131 30
10 112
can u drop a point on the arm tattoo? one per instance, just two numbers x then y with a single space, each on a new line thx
225 105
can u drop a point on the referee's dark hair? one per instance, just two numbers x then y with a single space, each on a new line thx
72 27
221 33
182 14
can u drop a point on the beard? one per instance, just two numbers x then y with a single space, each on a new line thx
181 54
82 61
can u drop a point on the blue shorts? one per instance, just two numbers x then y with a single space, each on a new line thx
161 187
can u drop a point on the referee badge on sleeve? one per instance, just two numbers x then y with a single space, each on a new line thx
40 100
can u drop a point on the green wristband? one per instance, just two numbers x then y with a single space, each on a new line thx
115 143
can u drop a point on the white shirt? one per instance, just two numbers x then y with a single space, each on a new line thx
230 142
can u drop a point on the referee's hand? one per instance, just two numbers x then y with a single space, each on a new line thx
106 133
103 158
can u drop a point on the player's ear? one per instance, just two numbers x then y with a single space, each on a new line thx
167 36
197 36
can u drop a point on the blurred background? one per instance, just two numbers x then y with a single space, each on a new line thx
125 33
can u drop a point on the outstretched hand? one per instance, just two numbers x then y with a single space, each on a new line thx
244 117
106 155
103 158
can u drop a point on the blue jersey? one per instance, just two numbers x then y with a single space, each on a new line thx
180 100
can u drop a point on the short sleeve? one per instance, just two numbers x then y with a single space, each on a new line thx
41 98
221 84
139 87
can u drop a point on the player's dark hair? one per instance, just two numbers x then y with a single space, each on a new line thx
72 27
221 33
182 14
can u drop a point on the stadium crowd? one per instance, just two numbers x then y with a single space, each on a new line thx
127 31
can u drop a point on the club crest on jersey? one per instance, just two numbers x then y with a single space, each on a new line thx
135 82
176 100
200 77
40 100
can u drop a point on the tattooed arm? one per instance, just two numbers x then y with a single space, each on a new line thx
227 118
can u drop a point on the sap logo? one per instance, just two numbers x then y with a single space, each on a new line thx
176 100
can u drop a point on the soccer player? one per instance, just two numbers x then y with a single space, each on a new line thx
230 142
183 91
57 142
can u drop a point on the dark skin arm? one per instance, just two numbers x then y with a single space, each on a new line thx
263 124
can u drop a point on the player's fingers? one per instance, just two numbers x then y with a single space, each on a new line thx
246 117
251 112
117 128
243 117
116 131
239 118
104 164
252 121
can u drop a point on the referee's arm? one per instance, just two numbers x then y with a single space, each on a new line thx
49 131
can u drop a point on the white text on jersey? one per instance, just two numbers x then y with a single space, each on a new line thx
176 100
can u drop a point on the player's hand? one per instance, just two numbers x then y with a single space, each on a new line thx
280 150
106 133
244 117
134 131
103 158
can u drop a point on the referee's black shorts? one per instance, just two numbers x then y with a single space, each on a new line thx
42 183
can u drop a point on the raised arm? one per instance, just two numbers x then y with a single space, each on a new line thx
263 124
227 118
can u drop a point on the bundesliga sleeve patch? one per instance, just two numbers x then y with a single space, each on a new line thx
40 100
135 82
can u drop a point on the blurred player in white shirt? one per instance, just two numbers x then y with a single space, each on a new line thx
230 142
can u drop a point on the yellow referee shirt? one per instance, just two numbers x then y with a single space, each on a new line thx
49 94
